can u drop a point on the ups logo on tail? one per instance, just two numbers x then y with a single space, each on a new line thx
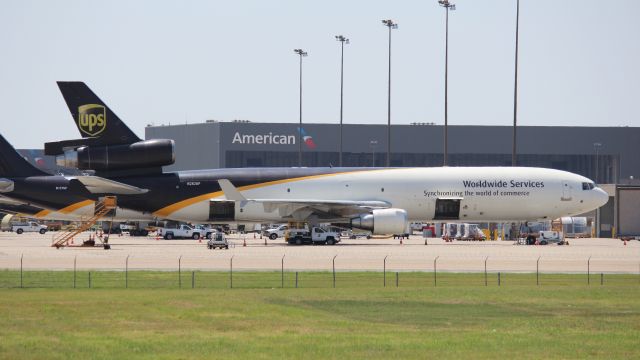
92 119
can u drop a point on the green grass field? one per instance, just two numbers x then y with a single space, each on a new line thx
563 317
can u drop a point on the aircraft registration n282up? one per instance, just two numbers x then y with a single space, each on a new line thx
382 200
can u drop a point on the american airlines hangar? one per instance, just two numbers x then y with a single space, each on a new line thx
608 155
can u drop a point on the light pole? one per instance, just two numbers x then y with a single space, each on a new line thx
342 40
448 6
372 145
596 147
302 54
391 25
515 89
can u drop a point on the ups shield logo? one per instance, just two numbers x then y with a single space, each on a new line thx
92 119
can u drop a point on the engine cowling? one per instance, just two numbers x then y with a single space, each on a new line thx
142 154
383 221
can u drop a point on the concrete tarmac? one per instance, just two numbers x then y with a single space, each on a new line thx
606 255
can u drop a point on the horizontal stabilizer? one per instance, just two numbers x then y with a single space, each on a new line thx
100 185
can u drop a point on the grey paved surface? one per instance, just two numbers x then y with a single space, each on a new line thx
607 255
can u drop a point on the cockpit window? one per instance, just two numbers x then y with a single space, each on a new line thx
588 186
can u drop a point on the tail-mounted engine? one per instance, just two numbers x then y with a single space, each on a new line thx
142 154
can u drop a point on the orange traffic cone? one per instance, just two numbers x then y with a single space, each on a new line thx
244 242
400 241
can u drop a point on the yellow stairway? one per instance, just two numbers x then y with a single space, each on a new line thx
103 207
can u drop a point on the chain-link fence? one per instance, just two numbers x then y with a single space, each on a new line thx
247 271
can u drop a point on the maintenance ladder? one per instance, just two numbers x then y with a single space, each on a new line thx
102 208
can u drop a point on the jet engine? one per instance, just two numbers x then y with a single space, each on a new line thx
382 221
142 154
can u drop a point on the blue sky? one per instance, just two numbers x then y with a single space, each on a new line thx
170 62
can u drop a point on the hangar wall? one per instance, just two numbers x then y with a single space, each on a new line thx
243 144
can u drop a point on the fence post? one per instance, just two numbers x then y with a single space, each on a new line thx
589 271
89 279
126 273
435 271
231 272
485 271
21 282
282 273
397 276
74 271
180 272
498 278
296 279
384 271
538 271
193 279
601 278
334 270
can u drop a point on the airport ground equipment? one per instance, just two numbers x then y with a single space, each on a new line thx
102 209
277 232
30 226
317 236
217 240
182 231
206 231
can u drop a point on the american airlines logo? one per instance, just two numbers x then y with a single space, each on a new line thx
273 139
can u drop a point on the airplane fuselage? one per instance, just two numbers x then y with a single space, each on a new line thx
442 193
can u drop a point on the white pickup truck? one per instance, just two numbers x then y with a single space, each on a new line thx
316 236
182 231
29 227
276 232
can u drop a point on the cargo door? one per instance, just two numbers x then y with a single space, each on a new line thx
447 209
222 210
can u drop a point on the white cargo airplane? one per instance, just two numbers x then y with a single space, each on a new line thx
385 200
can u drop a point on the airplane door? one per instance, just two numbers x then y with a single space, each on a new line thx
447 209
566 191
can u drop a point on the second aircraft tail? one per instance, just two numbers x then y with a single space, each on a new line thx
93 117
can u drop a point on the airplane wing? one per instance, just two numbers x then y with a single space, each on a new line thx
100 185
303 208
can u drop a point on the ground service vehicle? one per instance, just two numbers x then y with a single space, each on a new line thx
206 231
29 227
217 240
276 232
182 231
316 236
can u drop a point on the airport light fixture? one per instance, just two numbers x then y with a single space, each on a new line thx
391 25
448 6
515 89
343 40
301 53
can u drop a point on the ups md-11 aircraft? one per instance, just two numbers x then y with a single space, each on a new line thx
382 200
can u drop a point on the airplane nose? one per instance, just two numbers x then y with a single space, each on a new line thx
601 197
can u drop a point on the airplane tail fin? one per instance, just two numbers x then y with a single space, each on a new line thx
14 165
93 117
